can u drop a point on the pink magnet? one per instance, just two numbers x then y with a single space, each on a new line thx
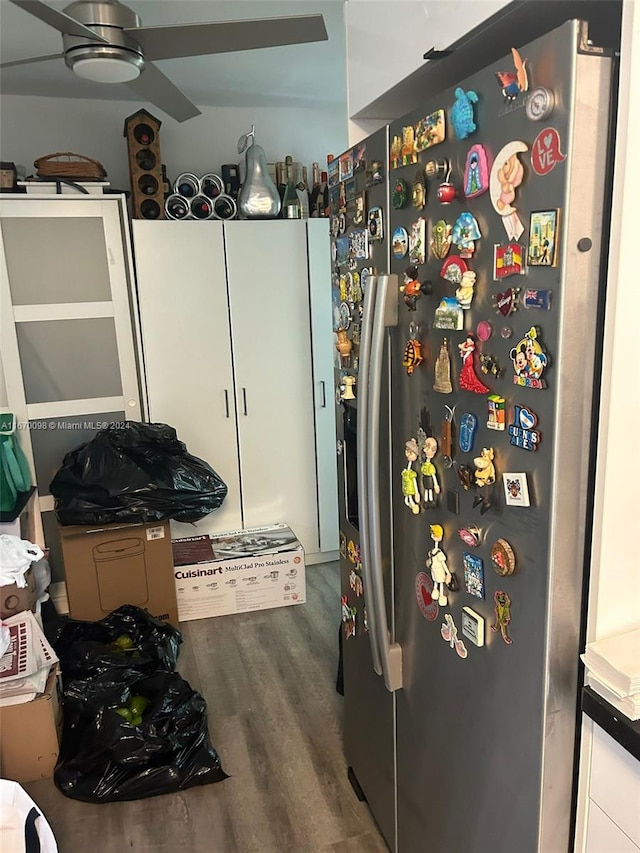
484 330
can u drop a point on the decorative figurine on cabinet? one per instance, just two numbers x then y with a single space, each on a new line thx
410 477
436 562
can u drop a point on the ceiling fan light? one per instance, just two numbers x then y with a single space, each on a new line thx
106 69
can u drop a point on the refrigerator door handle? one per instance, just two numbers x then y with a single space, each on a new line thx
363 465
385 316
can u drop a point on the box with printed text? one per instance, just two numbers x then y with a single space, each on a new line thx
239 571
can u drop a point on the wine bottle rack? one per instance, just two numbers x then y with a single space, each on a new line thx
142 131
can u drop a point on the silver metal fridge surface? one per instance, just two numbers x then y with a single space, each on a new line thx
485 745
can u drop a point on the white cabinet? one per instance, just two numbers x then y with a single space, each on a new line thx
228 359
68 350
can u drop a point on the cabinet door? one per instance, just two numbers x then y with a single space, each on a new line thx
270 317
324 408
68 352
186 344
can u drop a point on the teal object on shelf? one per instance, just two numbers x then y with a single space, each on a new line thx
15 476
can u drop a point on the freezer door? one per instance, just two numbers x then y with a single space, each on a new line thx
485 735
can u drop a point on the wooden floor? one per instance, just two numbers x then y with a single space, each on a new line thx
275 719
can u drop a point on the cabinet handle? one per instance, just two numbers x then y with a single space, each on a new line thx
323 405
244 401
226 403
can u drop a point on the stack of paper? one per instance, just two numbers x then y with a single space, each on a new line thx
613 671
27 662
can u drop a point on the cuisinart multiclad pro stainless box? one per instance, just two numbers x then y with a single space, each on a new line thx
239 571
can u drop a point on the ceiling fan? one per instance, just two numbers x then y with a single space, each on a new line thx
106 42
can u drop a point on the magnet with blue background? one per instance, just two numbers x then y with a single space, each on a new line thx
462 118
468 427
473 574
529 360
537 299
466 232
375 223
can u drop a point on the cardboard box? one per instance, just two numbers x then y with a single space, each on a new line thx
118 564
15 599
237 572
30 735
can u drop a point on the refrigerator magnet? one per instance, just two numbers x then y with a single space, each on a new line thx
473 575
441 239
506 176
503 559
355 583
543 238
412 355
473 626
412 289
429 131
506 302
424 588
343 545
462 119
516 489
359 244
496 412
365 620
409 475
430 481
476 172
446 436
376 223
453 269
374 174
359 208
503 615
442 383
417 241
466 232
395 153
419 191
437 168
471 535
514 83
345 166
508 260
448 315
468 427
346 388
484 476
408 149
399 194
545 151
540 104
400 242
446 192
436 562
468 379
537 299
529 361
489 365
484 330
449 632
521 431
465 290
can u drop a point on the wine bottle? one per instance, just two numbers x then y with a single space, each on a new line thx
303 192
323 204
314 198
201 207
290 203
177 207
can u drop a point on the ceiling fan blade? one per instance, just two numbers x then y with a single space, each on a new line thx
153 86
32 60
57 20
227 36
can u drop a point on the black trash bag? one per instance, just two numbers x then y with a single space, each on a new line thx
90 649
138 473
104 758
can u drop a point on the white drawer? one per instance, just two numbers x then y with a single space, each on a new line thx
615 783
603 836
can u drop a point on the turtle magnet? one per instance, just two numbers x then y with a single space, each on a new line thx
462 119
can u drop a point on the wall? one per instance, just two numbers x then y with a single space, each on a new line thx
33 126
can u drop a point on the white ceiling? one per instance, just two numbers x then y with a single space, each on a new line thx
308 75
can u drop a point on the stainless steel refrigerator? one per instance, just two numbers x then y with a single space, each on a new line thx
463 561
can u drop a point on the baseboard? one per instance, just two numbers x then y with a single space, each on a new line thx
321 557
